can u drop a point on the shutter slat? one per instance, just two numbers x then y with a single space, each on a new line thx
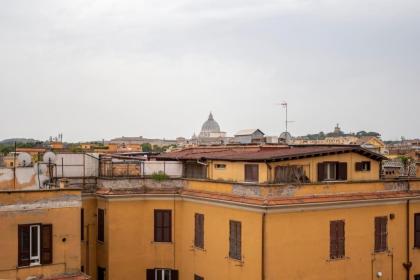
342 171
46 244
321 171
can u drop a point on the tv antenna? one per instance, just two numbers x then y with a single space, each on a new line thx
284 105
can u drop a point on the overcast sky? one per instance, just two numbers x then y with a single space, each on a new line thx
102 69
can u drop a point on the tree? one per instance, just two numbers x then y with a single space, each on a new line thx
146 147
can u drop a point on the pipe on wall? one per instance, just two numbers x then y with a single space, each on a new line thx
263 217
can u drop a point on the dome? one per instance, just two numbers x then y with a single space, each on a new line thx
210 126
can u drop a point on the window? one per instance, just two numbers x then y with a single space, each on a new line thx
337 246
195 170
101 273
290 174
199 231
196 277
82 224
220 166
34 244
251 172
161 274
235 240
417 277
417 230
163 226
332 171
101 225
363 166
381 234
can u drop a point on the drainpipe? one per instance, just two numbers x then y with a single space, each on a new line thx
408 264
263 245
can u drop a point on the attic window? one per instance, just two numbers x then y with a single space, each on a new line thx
363 166
220 166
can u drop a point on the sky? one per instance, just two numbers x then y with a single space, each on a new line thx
101 69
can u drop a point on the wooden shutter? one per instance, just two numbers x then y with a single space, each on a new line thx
417 230
359 166
337 239
167 226
174 274
101 225
82 224
163 226
150 274
341 239
232 248
251 173
381 234
321 171
333 240
199 231
238 240
158 236
46 244
342 171
23 245
235 251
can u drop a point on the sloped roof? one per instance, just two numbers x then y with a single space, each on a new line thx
248 131
264 154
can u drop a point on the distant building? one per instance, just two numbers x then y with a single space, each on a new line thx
210 134
248 136
141 140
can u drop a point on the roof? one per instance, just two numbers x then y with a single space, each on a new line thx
69 276
262 153
248 131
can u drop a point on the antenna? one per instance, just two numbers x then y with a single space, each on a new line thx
24 159
284 105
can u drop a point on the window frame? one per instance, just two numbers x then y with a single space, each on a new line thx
249 175
101 225
337 242
235 240
417 230
220 166
162 271
162 227
35 259
199 230
43 246
381 236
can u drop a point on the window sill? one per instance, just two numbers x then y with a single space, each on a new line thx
338 259
100 242
162 242
386 251
195 248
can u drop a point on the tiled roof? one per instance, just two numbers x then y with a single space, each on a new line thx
77 276
284 201
264 153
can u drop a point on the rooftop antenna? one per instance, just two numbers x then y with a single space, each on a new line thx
284 105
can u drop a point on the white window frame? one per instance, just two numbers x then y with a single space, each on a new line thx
35 260
162 272
329 176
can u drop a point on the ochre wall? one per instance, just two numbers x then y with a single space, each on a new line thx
296 243
234 171
65 221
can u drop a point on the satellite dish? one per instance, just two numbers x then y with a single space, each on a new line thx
48 157
40 168
24 159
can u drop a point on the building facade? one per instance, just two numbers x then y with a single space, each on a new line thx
256 213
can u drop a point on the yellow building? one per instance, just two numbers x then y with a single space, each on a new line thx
40 234
256 213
